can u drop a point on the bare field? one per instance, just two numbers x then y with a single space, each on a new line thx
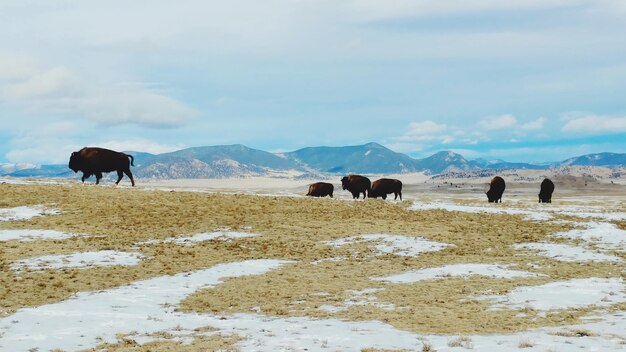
320 280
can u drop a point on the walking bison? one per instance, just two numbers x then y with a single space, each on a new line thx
496 189
95 161
385 186
321 189
545 192
356 184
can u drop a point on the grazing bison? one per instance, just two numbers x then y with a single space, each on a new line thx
95 161
545 193
496 188
321 189
385 186
356 184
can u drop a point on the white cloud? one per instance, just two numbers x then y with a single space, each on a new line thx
534 125
56 149
498 122
420 133
62 91
53 83
15 67
377 10
589 123
423 130
134 106
140 145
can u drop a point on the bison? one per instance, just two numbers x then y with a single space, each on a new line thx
385 186
356 184
321 189
545 193
95 161
496 188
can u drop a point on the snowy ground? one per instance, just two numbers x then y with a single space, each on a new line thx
393 244
32 235
223 235
147 307
144 310
461 270
78 260
24 213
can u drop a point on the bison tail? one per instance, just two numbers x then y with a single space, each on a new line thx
131 159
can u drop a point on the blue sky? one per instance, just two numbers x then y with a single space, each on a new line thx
516 80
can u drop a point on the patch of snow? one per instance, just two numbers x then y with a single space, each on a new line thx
201 237
462 270
605 235
31 181
25 213
367 153
31 235
323 260
601 214
147 308
79 260
359 298
536 212
405 246
575 293
91 318
567 253
494 209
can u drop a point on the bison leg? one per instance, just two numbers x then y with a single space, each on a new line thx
120 174
130 175
331 194
384 196
84 177
98 177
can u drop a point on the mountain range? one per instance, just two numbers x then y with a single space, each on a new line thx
241 161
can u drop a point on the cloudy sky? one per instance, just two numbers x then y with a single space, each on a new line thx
532 80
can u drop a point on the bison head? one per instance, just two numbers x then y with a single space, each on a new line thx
75 162
345 181
491 197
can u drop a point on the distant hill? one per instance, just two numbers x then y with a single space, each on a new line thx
599 159
237 160
213 162
367 158
445 161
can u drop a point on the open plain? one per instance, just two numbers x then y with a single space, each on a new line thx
254 265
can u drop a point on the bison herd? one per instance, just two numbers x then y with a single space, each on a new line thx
357 184
95 161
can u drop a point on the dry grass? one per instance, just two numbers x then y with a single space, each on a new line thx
526 344
290 228
200 343
461 341
574 333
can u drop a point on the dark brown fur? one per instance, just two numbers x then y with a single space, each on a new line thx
321 189
356 184
95 161
545 193
385 186
496 189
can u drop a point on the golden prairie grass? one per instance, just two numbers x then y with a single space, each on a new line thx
294 229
